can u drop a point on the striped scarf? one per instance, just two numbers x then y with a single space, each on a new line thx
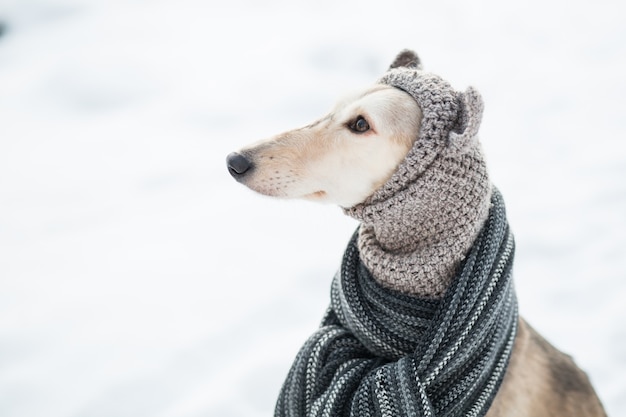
383 353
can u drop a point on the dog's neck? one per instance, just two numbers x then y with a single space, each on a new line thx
414 240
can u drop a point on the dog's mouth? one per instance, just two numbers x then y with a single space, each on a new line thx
315 196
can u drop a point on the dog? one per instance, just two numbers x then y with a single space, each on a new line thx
345 157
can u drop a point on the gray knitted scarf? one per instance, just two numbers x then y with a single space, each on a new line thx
380 352
423 312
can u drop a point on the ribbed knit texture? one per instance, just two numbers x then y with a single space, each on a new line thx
419 225
380 352
423 312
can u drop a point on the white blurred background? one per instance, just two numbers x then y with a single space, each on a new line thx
138 279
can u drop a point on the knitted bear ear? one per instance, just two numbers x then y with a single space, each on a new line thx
465 134
408 59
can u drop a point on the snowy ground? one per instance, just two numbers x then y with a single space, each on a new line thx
138 279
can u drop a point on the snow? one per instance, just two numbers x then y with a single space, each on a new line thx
138 279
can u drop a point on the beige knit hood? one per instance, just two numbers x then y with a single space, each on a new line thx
418 226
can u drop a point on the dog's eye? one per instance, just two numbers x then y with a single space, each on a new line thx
359 125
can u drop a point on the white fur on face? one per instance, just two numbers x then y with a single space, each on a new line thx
327 161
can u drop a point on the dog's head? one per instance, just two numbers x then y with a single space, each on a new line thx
341 158
345 156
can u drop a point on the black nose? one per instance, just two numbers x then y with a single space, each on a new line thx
237 164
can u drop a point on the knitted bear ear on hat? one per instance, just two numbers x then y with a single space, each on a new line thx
465 134
408 59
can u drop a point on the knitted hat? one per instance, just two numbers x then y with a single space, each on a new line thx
418 226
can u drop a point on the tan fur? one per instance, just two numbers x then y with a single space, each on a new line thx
542 381
325 161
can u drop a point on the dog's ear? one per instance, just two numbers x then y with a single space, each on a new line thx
465 133
407 59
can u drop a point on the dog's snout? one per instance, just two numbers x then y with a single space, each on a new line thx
237 164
